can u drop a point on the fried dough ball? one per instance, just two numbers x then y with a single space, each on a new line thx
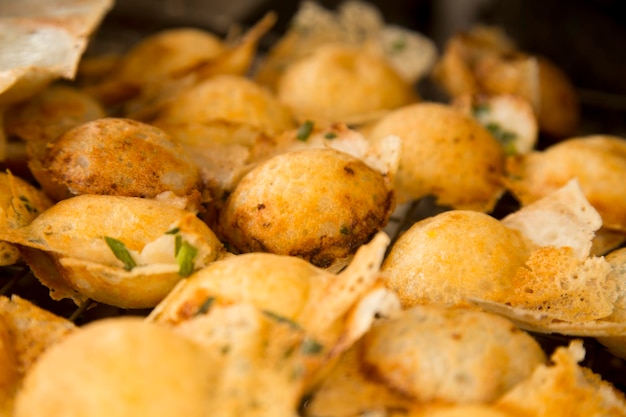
228 98
437 353
317 204
446 153
291 288
342 84
354 23
117 156
154 61
163 54
453 256
119 367
52 112
123 251
597 161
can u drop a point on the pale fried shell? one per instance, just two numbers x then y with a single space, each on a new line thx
597 161
117 156
560 284
509 118
444 153
564 387
33 328
452 256
66 249
324 304
318 204
54 38
569 289
544 322
563 217
20 203
437 353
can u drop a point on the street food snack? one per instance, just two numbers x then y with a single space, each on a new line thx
342 84
484 59
463 356
598 162
354 24
123 251
118 156
317 204
445 153
452 256
563 387
333 308
166 63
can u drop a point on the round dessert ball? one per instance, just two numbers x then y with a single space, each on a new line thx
317 204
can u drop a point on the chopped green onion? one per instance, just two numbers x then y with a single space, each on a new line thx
505 137
281 319
330 135
184 257
398 45
119 250
173 231
178 242
344 230
480 110
311 347
305 130
206 306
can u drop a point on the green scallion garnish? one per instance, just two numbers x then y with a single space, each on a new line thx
281 319
304 131
206 306
121 252
184 257
311 347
